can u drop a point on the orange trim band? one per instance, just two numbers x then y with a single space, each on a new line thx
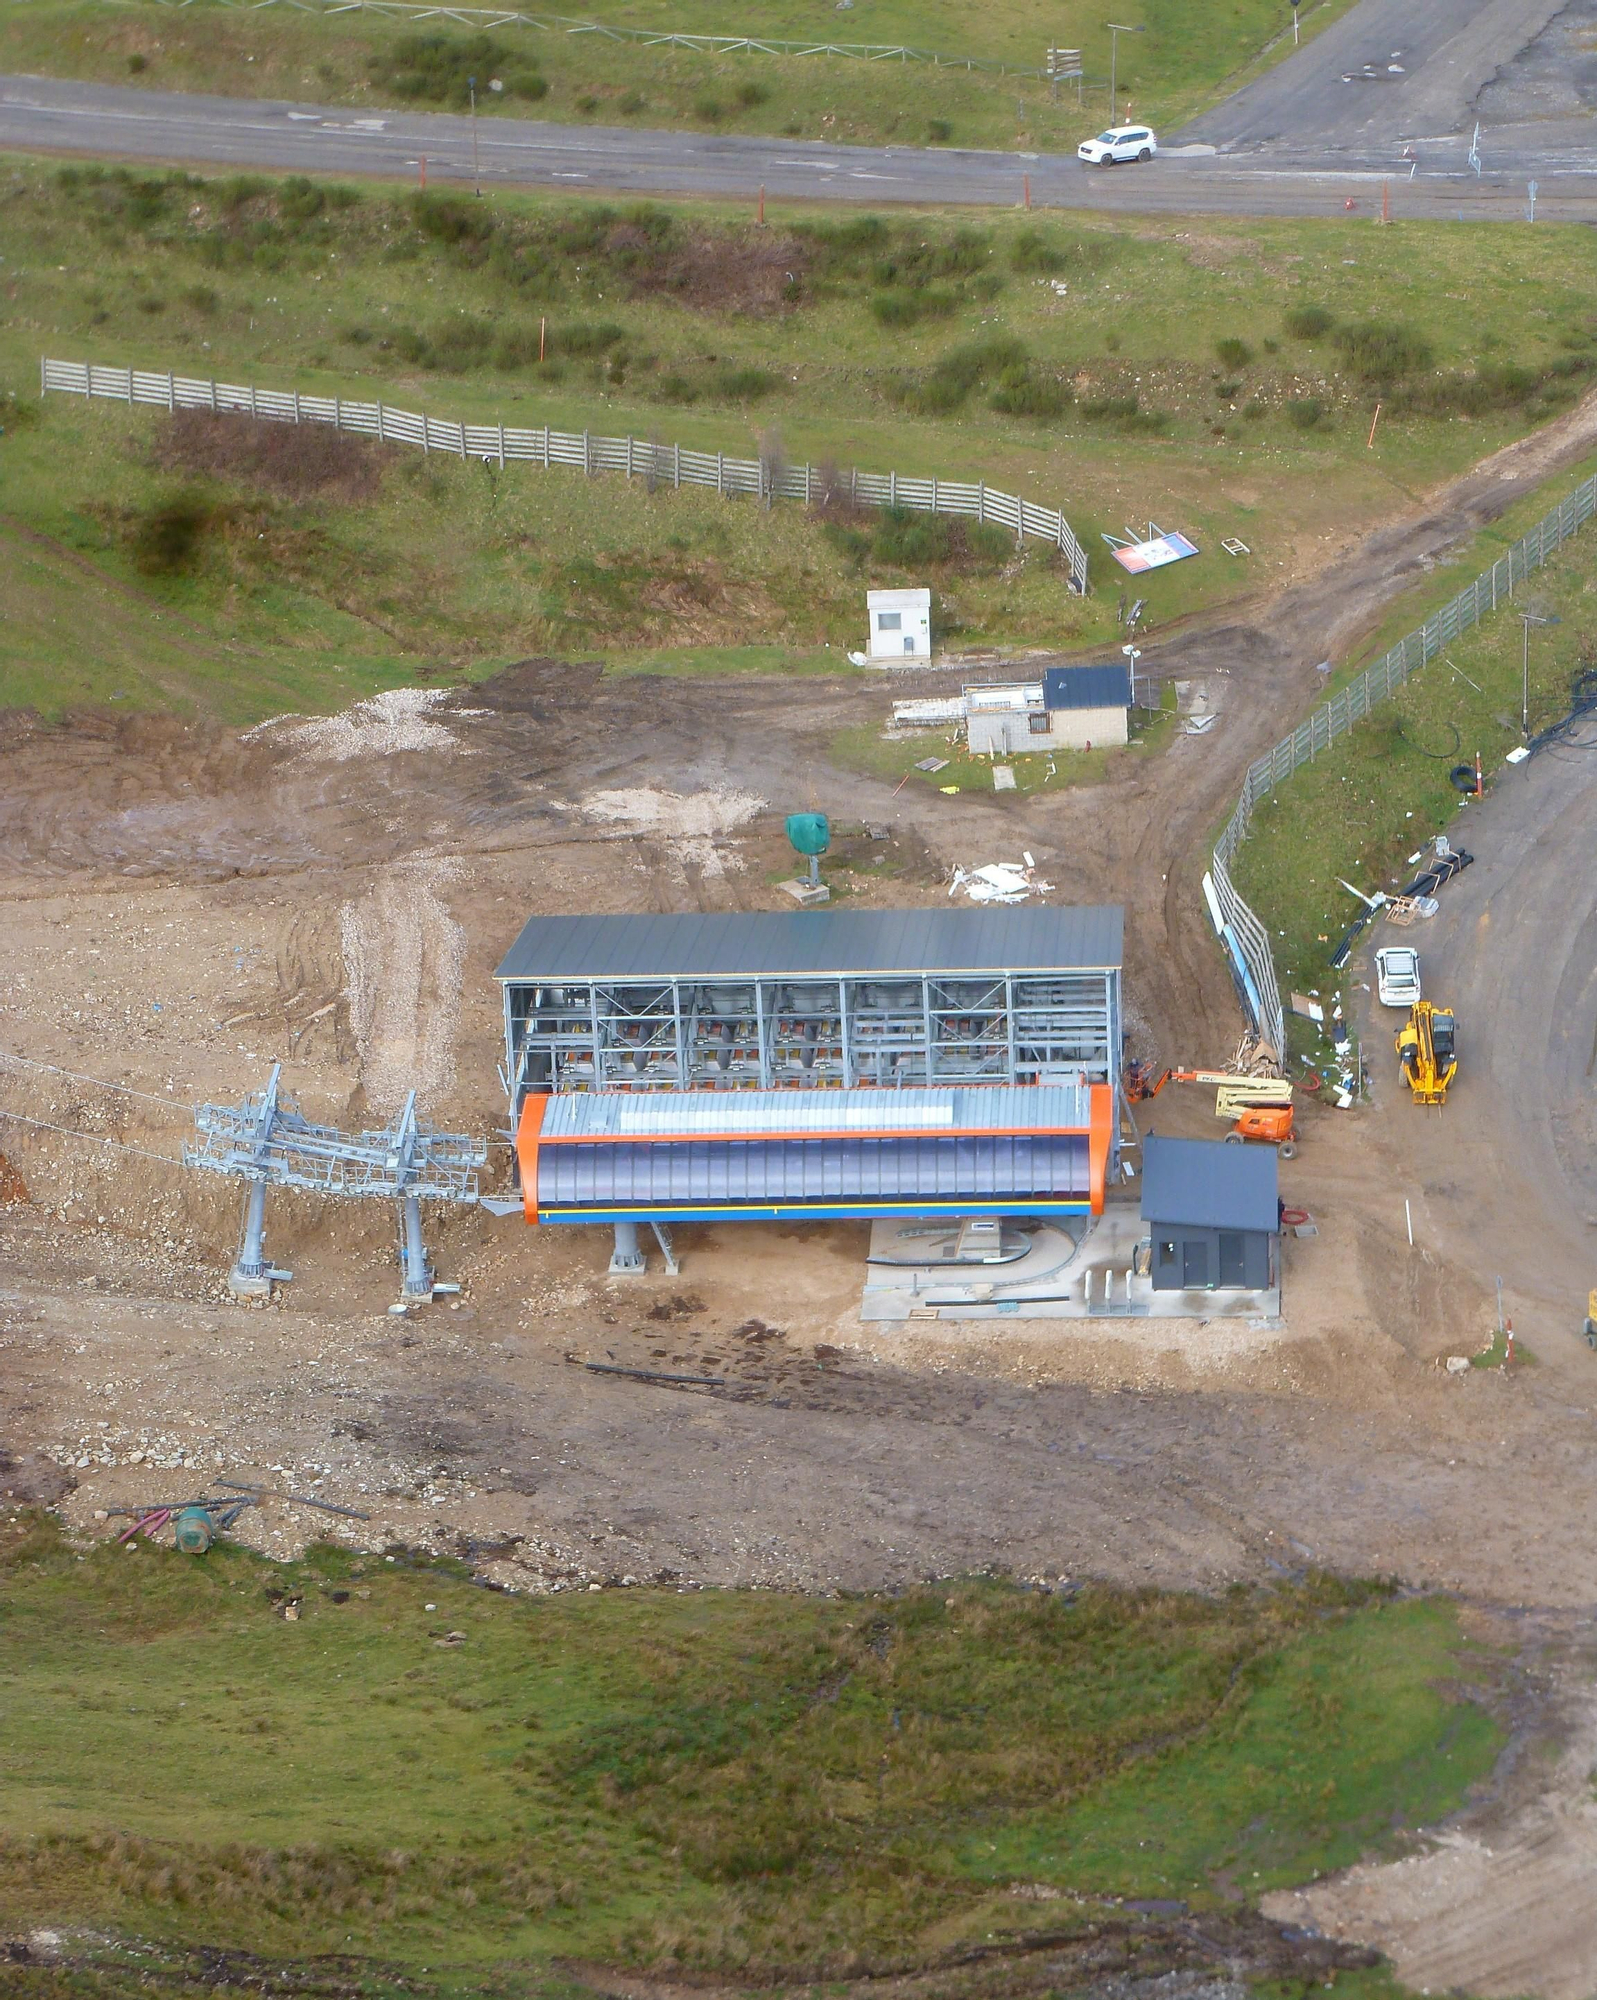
533 1107
1100 1138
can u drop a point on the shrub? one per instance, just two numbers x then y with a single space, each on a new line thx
200 299
939 131
676 389
166 539
448 219
1383 350
709 109
137 64
1308 322
1023 392
434 68
1255 410
1226 390
633 103
1031 251
585 337
988 544
960 371
587 102
743 385
1305 412
1126 413
751 94
1233 353
526 84
907 540
905 308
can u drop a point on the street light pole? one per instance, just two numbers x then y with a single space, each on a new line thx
476 172
1116 30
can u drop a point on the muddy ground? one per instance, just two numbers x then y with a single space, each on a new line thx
184 907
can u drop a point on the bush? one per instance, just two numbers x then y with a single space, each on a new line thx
587 102
633 103
743 385
1226 390
961 371
1383 350
526 84
1031 251
1126 413
585 337
988 545
751 94
200 299
1305 412
676 389
906 308
167 538
939 131
137 65
907 540
1233 353
435 68
1308 322
448 219
1023 392
709 109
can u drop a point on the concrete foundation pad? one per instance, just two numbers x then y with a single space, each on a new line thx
1061 1278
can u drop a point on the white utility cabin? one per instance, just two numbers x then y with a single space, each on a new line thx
900 624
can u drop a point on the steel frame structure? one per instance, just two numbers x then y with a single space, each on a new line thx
737 1033
266 1142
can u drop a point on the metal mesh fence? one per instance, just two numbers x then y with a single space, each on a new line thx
640 458
1338 715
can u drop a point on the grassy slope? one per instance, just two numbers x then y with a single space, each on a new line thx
734 1780
1191 50
1362 807
456 569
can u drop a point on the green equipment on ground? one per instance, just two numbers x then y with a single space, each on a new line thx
193 1531
810 834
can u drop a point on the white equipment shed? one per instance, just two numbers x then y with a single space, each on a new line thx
900 624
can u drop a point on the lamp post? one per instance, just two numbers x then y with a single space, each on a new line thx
1116 30
1133 655
1527 619
476 172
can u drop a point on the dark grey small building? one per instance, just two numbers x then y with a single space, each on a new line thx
1212 1212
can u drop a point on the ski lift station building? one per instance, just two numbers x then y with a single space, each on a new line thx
900 624
818 1063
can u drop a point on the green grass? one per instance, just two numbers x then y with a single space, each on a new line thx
1377 796
1190 53
734 1781
688 323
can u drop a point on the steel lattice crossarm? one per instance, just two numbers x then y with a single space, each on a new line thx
266 1139
266 1142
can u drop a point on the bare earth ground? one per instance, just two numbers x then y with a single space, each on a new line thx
183 907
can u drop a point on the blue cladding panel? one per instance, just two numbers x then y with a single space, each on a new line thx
707 1174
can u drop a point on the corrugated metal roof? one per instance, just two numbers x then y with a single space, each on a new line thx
1086 687
711 1114
701 1173
812 943
1208 1184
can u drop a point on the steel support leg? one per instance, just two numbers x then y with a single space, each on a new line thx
252 1276
626 1260
418 1278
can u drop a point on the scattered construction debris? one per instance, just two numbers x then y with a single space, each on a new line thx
1000 882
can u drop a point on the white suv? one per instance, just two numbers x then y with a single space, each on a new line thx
1120 142
1397 975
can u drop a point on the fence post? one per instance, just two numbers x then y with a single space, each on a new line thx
213 395
806 482
44 376
587 456
253 411
171 393
338 415
129 373
853 485
676 465
720 472
463 440
934 492
501 447
380 432
426 446
892 489
546 447
296 406
629 455
981 500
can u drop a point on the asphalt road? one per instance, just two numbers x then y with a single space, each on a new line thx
47 115
1389 71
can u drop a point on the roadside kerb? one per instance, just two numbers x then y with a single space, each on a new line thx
1492 588
664 464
